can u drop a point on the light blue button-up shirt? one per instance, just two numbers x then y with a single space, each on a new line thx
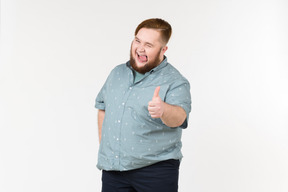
130 138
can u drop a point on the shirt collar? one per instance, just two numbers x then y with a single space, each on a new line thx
160 66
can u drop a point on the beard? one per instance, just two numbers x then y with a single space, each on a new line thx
148 66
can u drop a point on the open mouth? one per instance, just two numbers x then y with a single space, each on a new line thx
142 58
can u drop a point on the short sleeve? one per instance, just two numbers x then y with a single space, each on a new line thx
100 101
179 94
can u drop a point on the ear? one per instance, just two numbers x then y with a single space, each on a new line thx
164 49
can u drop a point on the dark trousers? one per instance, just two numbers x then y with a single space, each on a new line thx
159 177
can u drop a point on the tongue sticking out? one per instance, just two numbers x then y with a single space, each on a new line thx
143 58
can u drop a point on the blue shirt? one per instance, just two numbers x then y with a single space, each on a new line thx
130 138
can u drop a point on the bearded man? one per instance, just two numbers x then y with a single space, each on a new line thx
143 107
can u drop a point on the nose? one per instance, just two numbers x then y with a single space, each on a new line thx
141 48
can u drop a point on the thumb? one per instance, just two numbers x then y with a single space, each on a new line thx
156 92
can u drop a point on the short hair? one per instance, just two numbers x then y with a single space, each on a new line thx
162 26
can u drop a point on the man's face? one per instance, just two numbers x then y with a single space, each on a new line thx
147 50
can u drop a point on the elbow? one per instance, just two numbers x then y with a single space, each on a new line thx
181 120
178 121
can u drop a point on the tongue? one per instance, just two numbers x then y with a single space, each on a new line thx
143 58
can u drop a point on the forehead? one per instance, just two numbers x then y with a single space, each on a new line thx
149 35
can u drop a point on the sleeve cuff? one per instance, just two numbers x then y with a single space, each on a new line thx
100 106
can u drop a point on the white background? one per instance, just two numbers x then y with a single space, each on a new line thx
56 55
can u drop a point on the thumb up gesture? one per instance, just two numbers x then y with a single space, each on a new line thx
156 105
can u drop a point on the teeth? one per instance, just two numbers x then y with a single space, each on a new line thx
141 55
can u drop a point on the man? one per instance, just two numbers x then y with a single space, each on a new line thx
143 106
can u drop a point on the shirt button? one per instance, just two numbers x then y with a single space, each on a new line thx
130 88
116 156
123 103
119 121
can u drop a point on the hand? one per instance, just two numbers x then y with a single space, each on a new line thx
156 105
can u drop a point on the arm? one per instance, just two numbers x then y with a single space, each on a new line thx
101 115
171 115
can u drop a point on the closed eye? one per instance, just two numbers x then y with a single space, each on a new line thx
149 45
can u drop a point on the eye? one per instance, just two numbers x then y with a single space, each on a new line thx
137 40
149 45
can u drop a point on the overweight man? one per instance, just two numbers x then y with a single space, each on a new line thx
143 107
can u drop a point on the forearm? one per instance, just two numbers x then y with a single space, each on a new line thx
101 115
173 116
